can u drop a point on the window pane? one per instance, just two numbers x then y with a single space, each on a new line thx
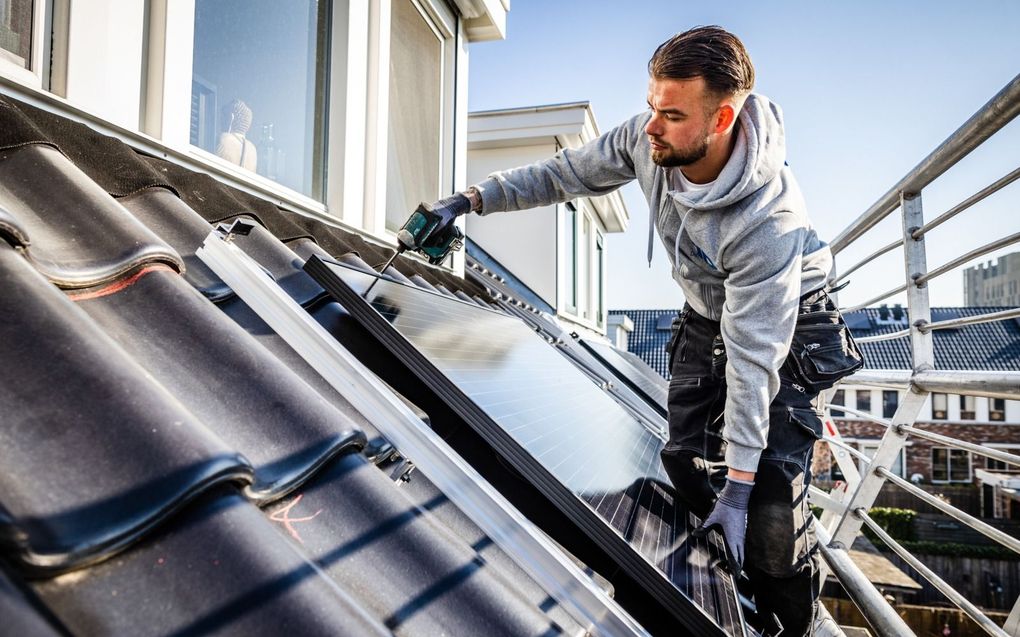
939 406
838 398
16 32
570 259
939 463
890 400
864 400
600 274
996 409
959 465
259 86
584 267
414 159
967 407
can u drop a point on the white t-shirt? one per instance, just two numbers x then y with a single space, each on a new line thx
677 181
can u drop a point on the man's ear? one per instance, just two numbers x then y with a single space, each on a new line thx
724 118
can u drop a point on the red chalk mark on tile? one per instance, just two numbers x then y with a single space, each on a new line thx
161 561
282 516
119 285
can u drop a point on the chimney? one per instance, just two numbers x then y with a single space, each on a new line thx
883 312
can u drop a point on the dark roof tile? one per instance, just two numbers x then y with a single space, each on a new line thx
11 229
141 410
987 346
219 567
222 376
79 235
94 451
181 227
351 508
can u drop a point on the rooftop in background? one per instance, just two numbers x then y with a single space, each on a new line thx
986 346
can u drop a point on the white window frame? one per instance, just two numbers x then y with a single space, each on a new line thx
949 466
869 446
1008 447
35 76
356 114
586 311
443 24
169 72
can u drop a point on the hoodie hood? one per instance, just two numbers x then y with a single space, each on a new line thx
758 155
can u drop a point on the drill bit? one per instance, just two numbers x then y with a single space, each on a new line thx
382 271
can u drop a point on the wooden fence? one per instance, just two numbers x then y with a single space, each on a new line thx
925 621
992 584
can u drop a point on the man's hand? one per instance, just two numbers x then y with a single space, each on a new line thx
443 213
729 515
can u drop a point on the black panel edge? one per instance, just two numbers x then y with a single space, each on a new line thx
685 610
660 409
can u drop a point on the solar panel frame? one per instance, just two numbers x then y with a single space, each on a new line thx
567 501
595 368
649 390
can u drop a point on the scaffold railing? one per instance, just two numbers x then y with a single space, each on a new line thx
846 510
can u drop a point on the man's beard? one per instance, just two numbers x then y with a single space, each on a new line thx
671 157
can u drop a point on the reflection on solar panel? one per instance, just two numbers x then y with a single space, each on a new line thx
633 371
857 321
574 443
665 322
651 414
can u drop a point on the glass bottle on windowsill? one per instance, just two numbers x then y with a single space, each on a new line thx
267 153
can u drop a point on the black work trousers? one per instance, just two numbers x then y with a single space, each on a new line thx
780 552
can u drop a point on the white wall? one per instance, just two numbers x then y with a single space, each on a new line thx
981 407
524 241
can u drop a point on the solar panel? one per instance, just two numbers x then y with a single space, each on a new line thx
857 321
633 371
651 412
590 457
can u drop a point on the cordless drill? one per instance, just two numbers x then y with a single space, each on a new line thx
430 231
419 233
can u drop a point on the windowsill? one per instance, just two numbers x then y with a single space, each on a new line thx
191 157
590 324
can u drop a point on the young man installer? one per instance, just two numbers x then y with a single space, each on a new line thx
709 156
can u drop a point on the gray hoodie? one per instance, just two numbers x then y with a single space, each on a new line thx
743 251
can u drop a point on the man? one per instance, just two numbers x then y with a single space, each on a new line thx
710 158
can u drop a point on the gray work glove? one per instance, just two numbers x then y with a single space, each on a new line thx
729 516
442 215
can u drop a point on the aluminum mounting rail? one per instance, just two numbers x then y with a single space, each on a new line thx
465 487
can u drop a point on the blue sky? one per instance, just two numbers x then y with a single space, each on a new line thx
868 90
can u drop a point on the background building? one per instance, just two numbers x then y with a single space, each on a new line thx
557 252
993 283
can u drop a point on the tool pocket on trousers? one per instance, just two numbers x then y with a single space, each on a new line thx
792 434
822 351
676 348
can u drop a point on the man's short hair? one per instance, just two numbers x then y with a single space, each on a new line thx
709 52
